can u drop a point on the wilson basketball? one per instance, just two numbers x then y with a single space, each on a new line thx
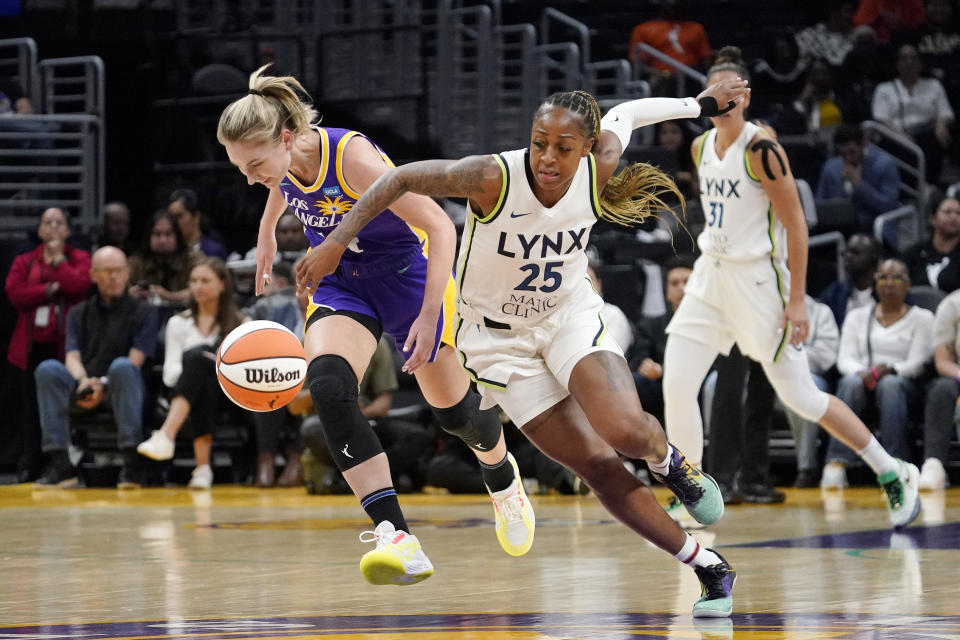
261 365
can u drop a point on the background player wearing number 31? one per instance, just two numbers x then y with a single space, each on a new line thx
383 283
530 330
748 287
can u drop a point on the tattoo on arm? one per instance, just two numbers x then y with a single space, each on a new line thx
769 148
439 178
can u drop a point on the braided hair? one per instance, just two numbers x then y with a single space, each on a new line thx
636 192
273 104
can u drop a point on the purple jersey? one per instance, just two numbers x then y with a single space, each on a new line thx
322 205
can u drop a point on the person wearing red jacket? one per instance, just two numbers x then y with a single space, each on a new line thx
42 285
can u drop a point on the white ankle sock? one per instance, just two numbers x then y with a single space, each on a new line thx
662 467
695 555
877 457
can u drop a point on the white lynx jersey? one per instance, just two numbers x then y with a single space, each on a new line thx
520 262
740 224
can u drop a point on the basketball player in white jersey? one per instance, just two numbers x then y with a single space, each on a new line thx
530 331
748 287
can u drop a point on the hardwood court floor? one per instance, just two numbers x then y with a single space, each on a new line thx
242 563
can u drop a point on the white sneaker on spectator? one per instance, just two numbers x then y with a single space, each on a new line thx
157 447
834 476
201 477
933 477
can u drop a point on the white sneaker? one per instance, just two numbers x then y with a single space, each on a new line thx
514 516
398 558
201 477
901 489
157 447
933 477
834 476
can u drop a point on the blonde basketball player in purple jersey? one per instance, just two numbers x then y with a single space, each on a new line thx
383 283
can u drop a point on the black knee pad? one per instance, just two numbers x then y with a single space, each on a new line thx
480 430
333 387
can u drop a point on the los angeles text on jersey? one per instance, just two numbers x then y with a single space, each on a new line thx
329 216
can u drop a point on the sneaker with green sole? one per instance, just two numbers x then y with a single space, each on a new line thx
697 491
901 488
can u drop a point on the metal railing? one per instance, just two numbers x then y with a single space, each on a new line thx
51 161
516 82
909 226
551 16
72 85
18 62
913 165
835 238
682 72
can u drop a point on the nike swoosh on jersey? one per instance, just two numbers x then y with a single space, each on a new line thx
514 214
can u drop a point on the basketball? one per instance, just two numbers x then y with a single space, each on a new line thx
261 365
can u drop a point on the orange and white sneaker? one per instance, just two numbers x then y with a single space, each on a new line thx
514 515
398 558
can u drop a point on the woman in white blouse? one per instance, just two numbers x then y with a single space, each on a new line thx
884 350
189 366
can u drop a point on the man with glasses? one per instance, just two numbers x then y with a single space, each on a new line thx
884 349
109 337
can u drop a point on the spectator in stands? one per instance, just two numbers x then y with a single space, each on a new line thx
883 351
160 272
815 108
407 444
110 335
860 260
116 227
291 240
830 39
185 208
889 16
938 43
43 284
676 136
940 408
646 358
279 303
189 367
862 173
669 33
13 99
777 78
936 262
862 71
916 107
822 345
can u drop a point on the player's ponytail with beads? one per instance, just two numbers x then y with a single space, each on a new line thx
273 104
636 192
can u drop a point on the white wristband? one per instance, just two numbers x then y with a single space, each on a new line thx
622 119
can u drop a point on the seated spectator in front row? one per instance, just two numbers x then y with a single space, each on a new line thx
883 352
109 337
860 260
821 345
864 174
116 227
185 208
940 411
160 272
936 262
291 239
189 367
646 359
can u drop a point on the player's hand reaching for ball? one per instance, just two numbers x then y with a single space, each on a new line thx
795 321
266 252
319 262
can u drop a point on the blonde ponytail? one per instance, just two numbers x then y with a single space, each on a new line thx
272 105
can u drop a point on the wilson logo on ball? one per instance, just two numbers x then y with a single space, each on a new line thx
261 365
